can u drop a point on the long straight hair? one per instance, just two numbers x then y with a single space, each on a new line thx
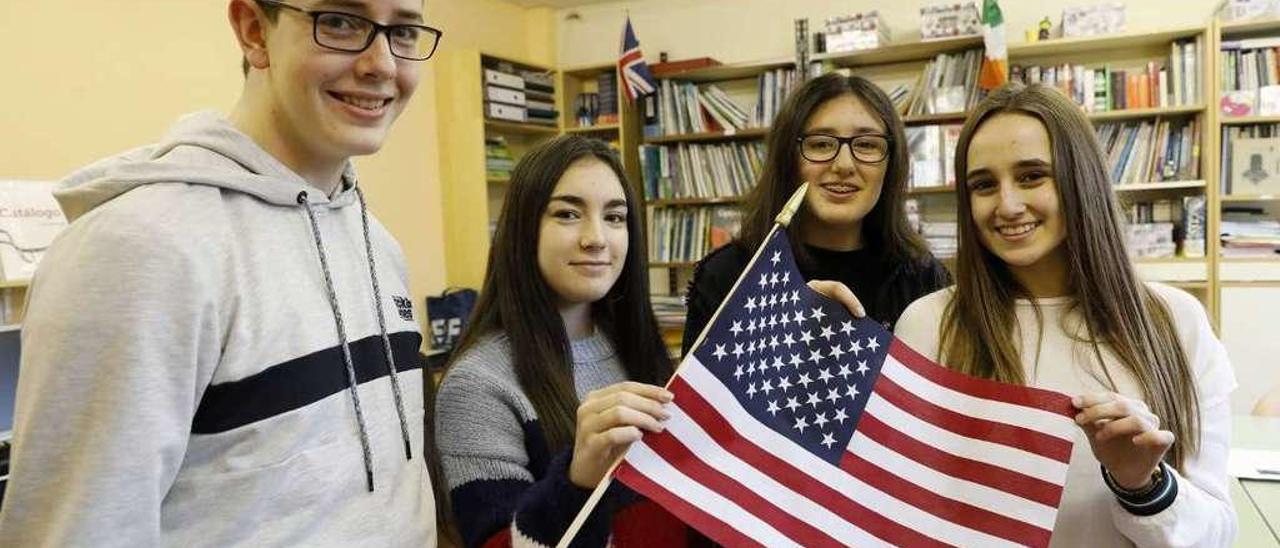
515 299
1118 310
885 227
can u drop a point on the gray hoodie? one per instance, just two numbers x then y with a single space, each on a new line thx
189 350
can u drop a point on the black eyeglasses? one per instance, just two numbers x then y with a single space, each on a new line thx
353 34
870 148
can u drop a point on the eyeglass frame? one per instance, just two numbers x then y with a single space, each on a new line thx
842 142
378 28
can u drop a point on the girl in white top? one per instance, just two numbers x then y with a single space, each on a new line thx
1045 295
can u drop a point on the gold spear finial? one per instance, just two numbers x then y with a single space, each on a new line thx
793 205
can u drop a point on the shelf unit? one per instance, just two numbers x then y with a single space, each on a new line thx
469 211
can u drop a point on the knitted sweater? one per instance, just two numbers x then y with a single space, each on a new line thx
507 488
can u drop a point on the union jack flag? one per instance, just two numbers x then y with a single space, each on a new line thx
795 424
633 71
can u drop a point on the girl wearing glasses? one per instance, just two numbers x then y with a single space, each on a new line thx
842 135
1045 295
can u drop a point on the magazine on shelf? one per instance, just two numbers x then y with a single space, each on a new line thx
29 220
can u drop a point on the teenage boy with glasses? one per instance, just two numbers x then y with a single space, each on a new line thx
221 349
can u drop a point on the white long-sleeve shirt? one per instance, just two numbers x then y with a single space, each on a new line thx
1202 514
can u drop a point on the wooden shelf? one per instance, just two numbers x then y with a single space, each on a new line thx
732 71
1113 42
1169 260
749 133
1250 26
1245 120
926 119
932 190
1159 186
517 127
1263 260
588 71
1250 198
14 284
672 202
677 264
899 53
497 180
592 129
1144 113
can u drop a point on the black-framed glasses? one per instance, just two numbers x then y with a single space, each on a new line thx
869 148
353 34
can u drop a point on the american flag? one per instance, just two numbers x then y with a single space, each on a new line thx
796 424
634 72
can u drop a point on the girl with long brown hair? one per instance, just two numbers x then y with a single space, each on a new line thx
561 365
852 228
1046 296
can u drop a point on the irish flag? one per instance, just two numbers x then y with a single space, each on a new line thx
995 64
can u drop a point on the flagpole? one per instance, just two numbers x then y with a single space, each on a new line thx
782 220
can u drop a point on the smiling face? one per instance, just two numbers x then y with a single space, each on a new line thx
582 239
841 191
1013 197
330 105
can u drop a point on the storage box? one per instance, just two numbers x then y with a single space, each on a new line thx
499 111
866 30
940 21
1093 20
504 95
499 78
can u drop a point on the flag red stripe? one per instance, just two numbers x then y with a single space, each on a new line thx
783 472
968 515
995 432
629 56
676 453
717 530
995 477
1028 396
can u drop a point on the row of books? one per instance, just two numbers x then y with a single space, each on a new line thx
684 107
1251 159
1151 151
700 170
687 234
1172 83
1249 64
949 84
933 151
498 160
1167 227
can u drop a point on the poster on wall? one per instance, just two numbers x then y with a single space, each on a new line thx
29 220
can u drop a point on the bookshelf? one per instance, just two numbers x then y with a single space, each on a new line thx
472 195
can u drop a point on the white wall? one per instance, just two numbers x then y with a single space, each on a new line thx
750 30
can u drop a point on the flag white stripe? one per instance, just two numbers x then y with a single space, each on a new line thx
1031 418
646 462
874 500
1011 458
706 449
976 494
638 81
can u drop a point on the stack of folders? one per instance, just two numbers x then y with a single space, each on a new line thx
519 96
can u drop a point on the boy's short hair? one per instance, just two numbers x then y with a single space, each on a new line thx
272 12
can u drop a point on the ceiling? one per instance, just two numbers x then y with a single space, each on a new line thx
558 4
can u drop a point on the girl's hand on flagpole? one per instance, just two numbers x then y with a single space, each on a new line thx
1125 437
609 421
841 293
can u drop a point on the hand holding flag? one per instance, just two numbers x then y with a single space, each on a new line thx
795 424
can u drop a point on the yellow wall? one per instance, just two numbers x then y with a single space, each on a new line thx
752 30
84 79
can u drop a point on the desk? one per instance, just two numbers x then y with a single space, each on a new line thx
1257 502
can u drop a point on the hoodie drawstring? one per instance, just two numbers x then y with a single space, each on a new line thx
352 383
382 328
